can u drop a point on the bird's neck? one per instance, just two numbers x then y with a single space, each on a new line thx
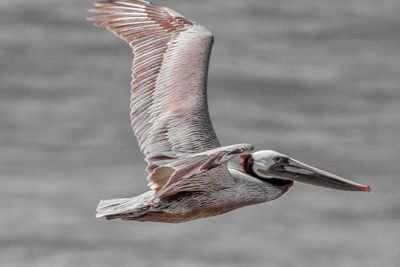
251 190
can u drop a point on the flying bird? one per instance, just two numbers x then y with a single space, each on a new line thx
190 174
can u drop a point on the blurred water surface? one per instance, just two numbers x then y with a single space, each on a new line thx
315 79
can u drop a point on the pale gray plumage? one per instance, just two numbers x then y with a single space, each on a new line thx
190 175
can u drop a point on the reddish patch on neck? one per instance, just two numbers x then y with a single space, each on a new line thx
243 161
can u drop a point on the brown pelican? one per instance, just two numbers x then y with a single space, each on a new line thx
190 174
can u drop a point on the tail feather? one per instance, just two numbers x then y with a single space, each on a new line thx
111 207
122 207
109 203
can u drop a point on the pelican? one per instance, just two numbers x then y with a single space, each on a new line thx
190 174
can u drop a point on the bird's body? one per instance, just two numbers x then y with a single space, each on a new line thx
190 174
223 192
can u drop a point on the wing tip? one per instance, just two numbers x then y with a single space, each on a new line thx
110 7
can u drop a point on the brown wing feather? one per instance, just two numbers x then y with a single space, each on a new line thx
169 101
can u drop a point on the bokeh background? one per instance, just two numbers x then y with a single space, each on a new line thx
315 79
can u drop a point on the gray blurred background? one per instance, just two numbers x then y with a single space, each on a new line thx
315 79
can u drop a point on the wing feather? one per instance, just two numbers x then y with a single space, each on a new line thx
177 175
169 110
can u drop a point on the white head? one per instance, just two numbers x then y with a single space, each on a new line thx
264 160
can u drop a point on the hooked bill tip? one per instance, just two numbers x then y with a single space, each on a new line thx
363 188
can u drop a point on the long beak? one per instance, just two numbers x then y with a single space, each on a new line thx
300 172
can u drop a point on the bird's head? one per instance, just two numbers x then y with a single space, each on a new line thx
280 170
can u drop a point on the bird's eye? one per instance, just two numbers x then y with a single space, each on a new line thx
278 159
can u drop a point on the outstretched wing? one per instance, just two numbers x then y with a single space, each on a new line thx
169 109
